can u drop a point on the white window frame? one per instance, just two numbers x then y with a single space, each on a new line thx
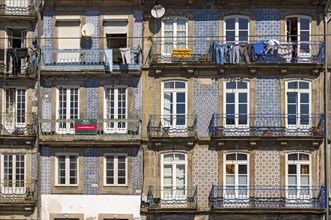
174 31
115 18
14 124
173 114
236 17
299 17
236 185
67 169
115 128
173 183
66 130
236 92
13 189
298 164
298 91
115 155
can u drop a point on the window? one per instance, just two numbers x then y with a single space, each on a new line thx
236 175
66 169
174 34
298 31
69 34
174 104
116 109
116 170
298 175
15 108
236 106
13 175
174 176
116 32
298 104
236 29
67 109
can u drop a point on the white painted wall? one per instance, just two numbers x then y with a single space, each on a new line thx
90 205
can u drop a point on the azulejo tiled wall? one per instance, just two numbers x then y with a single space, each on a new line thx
91 171
267 104
46 170
205 29
34 166
137 27
137 171
205 172
46 105
267 167
205 103
93 17
267 24
91 100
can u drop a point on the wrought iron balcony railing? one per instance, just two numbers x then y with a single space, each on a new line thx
16 7
222 197
107 60
103 129
18 124
14 191
18 62
172 126
267 125
172 197
191 50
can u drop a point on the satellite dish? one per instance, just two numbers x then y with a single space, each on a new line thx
88 30
158 11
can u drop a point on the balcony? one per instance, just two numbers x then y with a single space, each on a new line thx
103 130
100 60
18 124
172 126
245 198
19 62
171 198
18 195
16 7
267 125
205 52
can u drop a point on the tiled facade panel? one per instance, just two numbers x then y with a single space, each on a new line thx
34 166
267 167
91 171
267 24
91 100
137 27
93 17
205 103
48 29
206 29
46 170
267 104
137 171
205 172
46 105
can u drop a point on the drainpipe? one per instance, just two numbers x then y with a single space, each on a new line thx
39 8
326 141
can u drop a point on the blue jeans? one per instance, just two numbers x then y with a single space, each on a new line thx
219 53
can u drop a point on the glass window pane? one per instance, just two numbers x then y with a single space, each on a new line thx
230 169
243 97
303 157
230 36
292 169
169 85
180 97
304 98
167 157
241 157
229 180
292 85
242 85
304 169
179 157
167 170
291 98
229 97
231 157
243 23
292 180
242 179
231 85
230 23
242 169
292 157
305 180
243 35
304 24
180 85
180 170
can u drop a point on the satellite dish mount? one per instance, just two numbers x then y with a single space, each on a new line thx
88 30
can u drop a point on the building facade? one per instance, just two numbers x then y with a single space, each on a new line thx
216 110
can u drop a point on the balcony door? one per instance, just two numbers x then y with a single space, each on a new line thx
116 109
68 109
298 30
13 177
174 105
15 109
69 34
174 178
236 176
